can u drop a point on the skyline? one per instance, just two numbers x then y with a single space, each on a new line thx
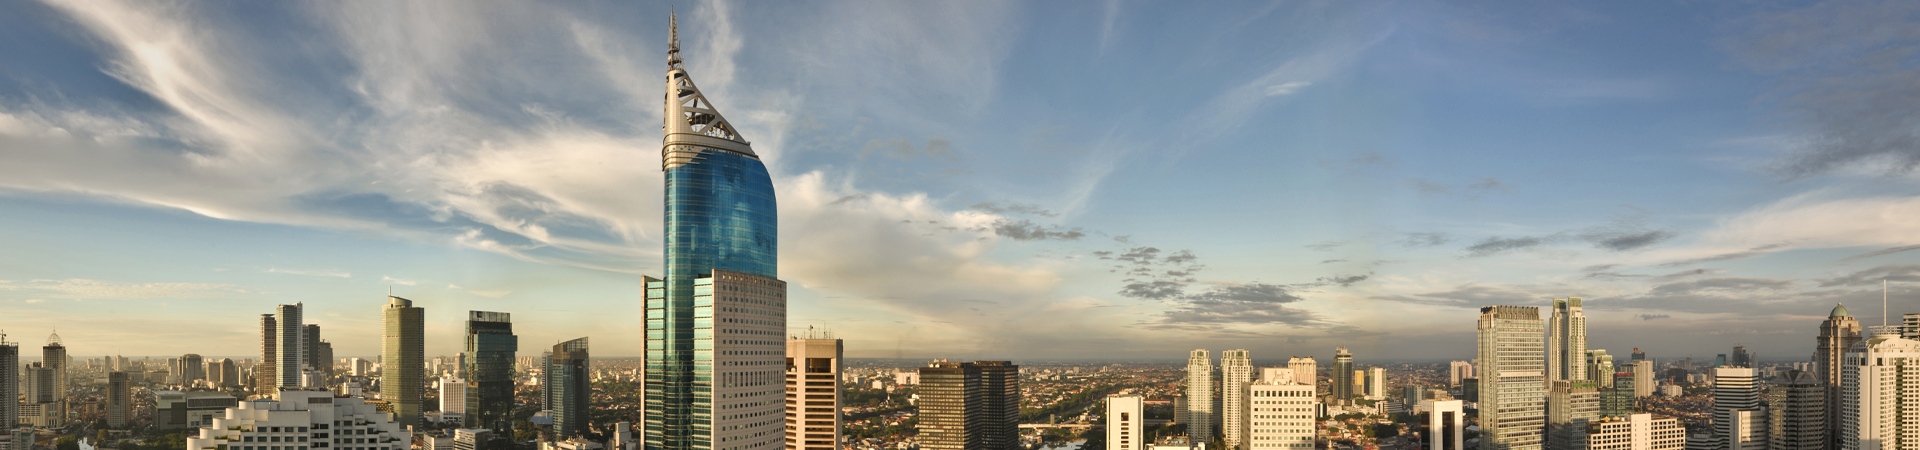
1014 181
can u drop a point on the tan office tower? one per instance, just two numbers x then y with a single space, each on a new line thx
1126 422
1838 334
1236 371
119 400
813 397
1513 377
265 373
403 356
1567 344
54 356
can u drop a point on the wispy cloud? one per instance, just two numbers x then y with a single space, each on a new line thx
312 273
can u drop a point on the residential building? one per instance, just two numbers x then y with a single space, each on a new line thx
1739 415
453 399
402 358
1126 422
1600 367
1280 413
119 401
303 418
1796 404
266 374
1376 384
1343 379
569 391
292 352
54 356
1567 341
969 406
1446 424
1305 369
192 368
1570 405
1200 408
1838 334
1643 379
1512 378
719 315
175 410
1878 404
1460 370
1236 372
488 367
813 398
1636 432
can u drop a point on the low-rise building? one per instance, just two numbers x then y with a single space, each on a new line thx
1636 432
299 418
173 410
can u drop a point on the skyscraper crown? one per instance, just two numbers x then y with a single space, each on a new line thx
692 123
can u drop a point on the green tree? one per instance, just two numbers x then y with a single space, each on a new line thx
66 443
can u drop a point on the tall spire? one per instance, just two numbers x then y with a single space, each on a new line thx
691 123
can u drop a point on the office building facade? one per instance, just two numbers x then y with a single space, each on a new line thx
1343 379
1796 412
1375 387
290 330
302 419
1513 389
402 358
1567 341
1280 414
9 384
1570 406
1236 372
1643 379
1126 422
488 354
1446 424
1636 432
720 312
970 406
266 373
1739 415
569 391
813 397
119 401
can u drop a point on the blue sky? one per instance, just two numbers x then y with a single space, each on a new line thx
972 179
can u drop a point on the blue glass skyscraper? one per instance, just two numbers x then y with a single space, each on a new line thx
715 325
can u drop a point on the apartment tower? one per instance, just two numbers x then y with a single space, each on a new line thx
1236 372
1567 341
1200 410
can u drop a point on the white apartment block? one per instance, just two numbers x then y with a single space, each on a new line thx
1126 422
1739 416
1280 415
1636 432
1236 372
303 419
1446 424
1879 403
1200 411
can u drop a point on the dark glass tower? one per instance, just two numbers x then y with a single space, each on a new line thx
716 324
489 357
567 388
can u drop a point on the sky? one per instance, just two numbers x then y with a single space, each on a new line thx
970 180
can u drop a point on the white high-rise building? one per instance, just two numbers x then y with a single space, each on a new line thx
1200 411
1376 385
1739 416
1305 370
1236 372
813 403
1643 378
1280 414
292 353
1446 424
1513 378
303 419
453 397
1460 370
1878 404
1127 422
1567 342
1636 432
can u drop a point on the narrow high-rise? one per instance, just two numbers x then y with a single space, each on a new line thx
1200 409
119 400
969 406
1570 406
1838 334
54 356
1375 387
402 358
569 390
1343 379
1878 403
1126 422
1460 370
193 367
489 352
289 332
1236 371
9 384
715 325
813 400
1600 367
1796 412
1567 341
1643 379
1513 378
1739 415
265 373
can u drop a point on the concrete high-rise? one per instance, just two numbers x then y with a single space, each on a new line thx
9 384
1460 370
292 352
1376 384
1446 424
1200 409
54 356
1280 413
1741 358
1739 415
1838 334
265 373
1796 412
1878 404
489 353
1619 399
813 398
1513 378
119 401
1643 379
1343 379
453 396
1126 422
1636 432
1236 372
1305 370
970 406
1570 405
193 368
1600 367
1567 341
570 391
402 358
720 313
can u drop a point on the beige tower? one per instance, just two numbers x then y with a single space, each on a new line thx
813 398
402 359
1838 333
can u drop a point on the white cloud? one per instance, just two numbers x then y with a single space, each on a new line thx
388 279
79 288
1813 220
1287 88
491 293
313 273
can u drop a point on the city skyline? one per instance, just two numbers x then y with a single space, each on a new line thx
967 190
